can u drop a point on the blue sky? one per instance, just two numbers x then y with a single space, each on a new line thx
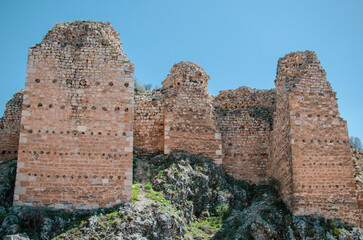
238 43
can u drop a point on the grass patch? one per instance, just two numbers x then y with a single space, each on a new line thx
135 192
205 227
158 197
148 186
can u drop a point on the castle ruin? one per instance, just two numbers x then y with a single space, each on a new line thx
81 119
75 148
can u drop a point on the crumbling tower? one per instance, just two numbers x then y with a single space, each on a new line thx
244 117
189 121
76 131
310 146
10 127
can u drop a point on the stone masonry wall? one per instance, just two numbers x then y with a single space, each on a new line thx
76 130
321 163
189 121
149 121
280 166
357 156
244 117
10 127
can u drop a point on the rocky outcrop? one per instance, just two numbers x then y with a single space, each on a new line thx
179 196
7 181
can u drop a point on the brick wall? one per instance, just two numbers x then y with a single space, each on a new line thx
280 166
76 131
78 128
149 121
10 127
189 121
321 165
244 117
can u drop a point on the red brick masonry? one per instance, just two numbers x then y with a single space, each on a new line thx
81 119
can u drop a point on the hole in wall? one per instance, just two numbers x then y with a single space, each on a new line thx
37 80
83 83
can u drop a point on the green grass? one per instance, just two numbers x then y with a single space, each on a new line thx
135 192
112 214
213 223
158 197
148 186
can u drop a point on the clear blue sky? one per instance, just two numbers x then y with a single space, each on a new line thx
237 42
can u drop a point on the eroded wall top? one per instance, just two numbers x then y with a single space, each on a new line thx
185 74
83 33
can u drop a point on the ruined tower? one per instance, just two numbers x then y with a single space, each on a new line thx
189 121
244 117
310 146
10 127
76 130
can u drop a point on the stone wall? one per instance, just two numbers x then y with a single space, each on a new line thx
357 156
149 121
81 117
10 127
244 118
189 121
280 166
321 165
76 130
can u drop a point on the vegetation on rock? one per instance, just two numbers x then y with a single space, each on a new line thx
179 196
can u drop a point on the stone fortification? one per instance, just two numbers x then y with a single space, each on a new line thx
10 127
179 116
310 144
81 118
189 121
76 131
149 120
292 133
244 117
